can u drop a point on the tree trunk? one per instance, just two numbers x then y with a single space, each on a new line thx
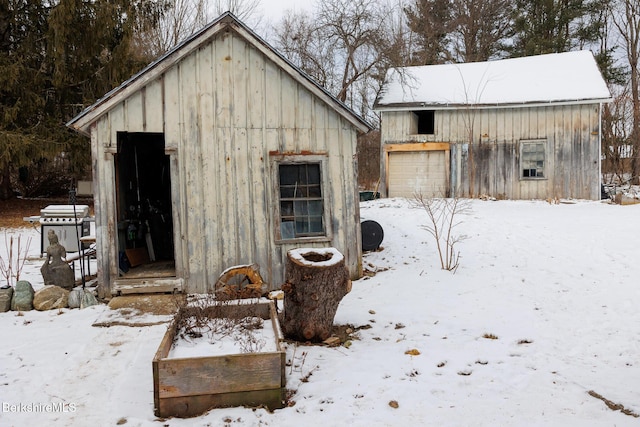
316 281
6 191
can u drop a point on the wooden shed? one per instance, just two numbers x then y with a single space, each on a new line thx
220 153
522 128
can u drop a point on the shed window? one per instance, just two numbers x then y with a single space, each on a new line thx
301 202
426 120
533 159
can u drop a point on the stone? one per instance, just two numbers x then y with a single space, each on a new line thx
6 294
22 299
50 297
56 271
88 300
75 296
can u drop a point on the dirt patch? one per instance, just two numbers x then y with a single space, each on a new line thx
158 304
614 406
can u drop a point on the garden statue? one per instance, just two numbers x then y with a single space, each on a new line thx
56 271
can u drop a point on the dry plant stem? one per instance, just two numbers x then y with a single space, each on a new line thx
443 217
204 315
11 268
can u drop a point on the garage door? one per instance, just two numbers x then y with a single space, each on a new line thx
417 172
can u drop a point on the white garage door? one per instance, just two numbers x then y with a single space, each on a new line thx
417 172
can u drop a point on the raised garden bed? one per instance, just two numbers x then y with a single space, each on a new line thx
190 386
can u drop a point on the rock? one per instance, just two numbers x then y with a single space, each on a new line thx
75 297
50 298
22 299
88 299
5 299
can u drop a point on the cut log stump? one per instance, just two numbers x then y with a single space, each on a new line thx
316 280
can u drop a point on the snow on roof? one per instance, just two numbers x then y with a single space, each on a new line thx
558 77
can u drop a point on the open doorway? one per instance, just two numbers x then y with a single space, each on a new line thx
143 199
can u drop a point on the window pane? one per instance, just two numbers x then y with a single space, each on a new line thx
532 159
288 174
300 208
286 208
302 226
286 230
302 191
301 204
313 174
314 191
287 192
315 224
315 208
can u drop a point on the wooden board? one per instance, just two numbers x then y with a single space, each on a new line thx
186 387
137 256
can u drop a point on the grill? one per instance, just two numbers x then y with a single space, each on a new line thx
64 220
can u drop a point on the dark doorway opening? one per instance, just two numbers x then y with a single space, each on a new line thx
145 222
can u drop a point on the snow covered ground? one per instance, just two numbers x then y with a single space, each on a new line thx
544 308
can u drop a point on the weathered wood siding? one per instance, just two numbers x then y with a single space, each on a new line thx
571 133
225 109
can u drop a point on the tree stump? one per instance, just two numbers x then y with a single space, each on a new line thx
316 280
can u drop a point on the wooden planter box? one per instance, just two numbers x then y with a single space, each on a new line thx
189 387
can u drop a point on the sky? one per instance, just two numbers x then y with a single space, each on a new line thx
274 9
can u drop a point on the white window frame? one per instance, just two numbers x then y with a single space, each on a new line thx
530 162
295 159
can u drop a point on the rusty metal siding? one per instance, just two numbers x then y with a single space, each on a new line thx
571 133
223 109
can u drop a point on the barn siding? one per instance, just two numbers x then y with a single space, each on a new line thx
224 109
571 133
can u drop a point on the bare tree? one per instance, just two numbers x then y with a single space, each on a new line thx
627 21
180 19
352 29
617 121
346 46
299 39
245 10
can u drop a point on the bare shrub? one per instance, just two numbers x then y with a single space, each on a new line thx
443 214
11 267
203 316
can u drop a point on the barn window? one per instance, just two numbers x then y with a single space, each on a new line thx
301 200
533 159
425 121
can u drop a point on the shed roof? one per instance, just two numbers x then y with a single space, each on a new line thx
82 122
570 77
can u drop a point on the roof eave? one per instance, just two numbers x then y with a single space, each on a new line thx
411 106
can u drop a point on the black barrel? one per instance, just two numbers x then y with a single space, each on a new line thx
372 235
